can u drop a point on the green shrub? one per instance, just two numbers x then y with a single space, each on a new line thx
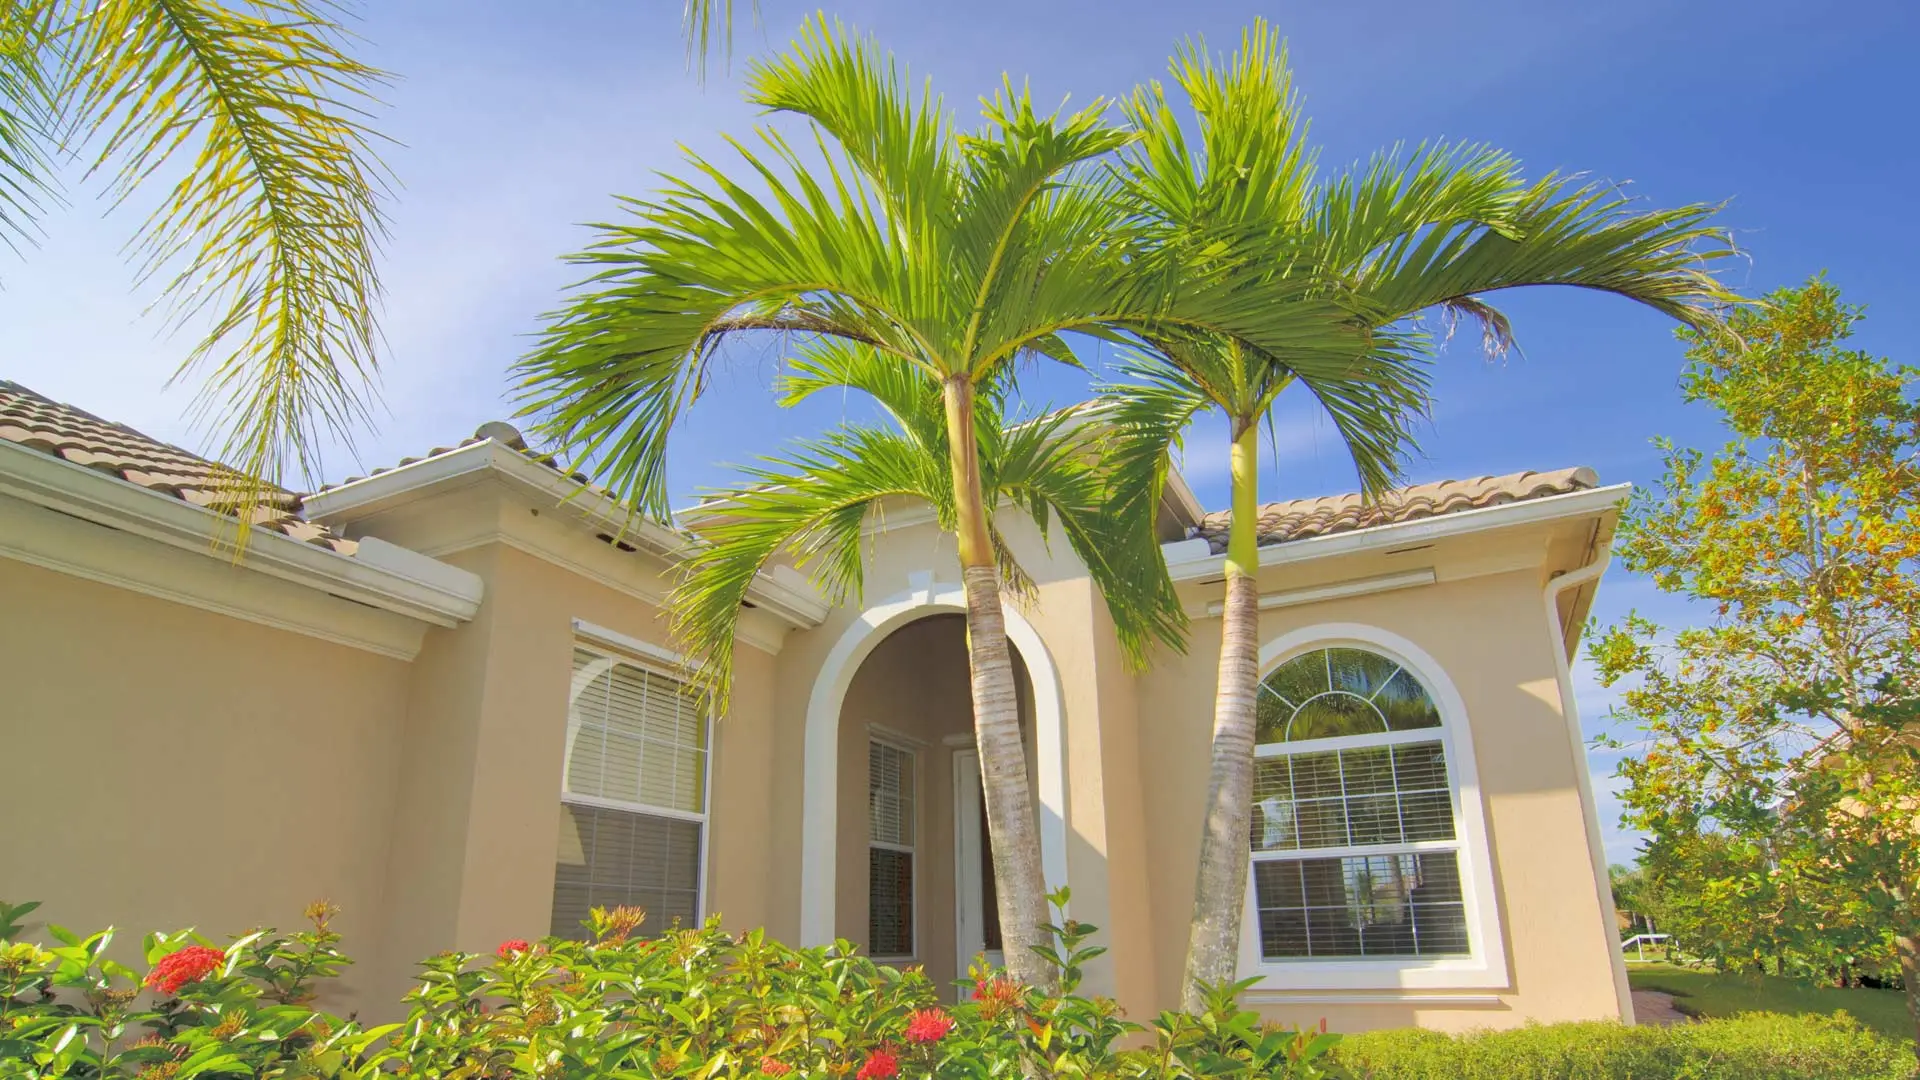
1753 1046
690 1003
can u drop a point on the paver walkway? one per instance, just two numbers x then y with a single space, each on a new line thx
1656 1007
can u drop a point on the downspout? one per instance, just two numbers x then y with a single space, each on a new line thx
1596 847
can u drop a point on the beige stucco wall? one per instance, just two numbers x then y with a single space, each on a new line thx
475 847
423 796
1488 633
168 766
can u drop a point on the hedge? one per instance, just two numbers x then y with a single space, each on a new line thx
705 1004
1752 1046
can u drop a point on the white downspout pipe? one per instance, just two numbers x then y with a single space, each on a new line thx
1596 847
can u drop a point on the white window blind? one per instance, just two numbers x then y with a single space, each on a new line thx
890 855
633 798
1354 845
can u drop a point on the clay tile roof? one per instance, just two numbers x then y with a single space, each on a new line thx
506 435
1300 519
62 431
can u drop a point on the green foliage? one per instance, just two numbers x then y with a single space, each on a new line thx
271 231
72 1011
1756 1046
689 1003
813 500
1779 774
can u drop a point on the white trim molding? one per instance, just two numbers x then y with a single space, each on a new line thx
819 815
1338 590
1485 966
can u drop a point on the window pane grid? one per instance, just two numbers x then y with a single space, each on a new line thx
1345 798
1369 812
1395 905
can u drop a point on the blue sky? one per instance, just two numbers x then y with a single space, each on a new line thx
515 122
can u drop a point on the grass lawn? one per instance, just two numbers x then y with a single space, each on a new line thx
1704 993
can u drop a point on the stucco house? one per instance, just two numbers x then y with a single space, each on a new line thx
442 695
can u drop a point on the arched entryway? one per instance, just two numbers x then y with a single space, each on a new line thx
893 696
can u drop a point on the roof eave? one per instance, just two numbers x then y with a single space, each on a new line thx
789 596
382 576
1183 565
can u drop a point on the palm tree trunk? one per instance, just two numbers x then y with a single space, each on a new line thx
1019 886
1213 942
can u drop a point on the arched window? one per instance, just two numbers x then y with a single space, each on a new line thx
1355 850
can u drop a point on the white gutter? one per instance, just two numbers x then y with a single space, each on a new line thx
781 591
382 576
1596 846
1462 523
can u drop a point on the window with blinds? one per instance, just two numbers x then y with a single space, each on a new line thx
890 838
633 799
1354 845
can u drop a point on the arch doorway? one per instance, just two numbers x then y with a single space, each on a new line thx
895 852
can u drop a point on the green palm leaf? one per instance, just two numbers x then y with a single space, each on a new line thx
266 243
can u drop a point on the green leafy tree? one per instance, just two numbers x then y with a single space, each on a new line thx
1431 231
266 242
945 255
1781 764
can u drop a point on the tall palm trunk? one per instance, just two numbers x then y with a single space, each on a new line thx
1213 942
1019 886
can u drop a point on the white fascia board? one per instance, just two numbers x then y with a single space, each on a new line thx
1464 523
789 596
1338 590
392 579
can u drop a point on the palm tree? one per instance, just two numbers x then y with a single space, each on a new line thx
267 240
812 500
941 256
1430 231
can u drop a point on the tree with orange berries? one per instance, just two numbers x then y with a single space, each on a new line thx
1779 777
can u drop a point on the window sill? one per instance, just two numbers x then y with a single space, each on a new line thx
1459 974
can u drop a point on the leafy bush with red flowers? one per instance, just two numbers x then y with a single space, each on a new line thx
690 1003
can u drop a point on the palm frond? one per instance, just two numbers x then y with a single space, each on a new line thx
274 229
909 395
1059 469
807 504
695 265
1559 231
902 142
28 38
707 24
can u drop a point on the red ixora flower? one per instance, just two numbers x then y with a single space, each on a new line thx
774 1067
928 1025
511 946
177 969
882 1064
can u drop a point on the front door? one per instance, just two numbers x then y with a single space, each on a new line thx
977 912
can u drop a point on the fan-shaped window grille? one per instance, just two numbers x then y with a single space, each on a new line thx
1354 846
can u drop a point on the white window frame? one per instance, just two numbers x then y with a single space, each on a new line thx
620 648
906 746
1485 964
